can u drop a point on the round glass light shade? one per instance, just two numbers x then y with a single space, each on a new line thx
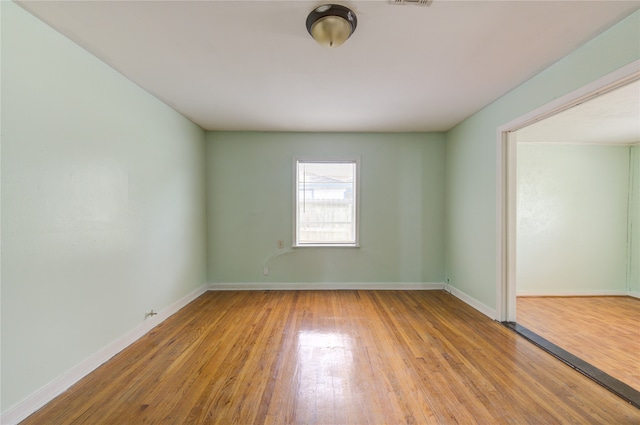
331 24
331 31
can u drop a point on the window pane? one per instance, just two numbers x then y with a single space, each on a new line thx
326 202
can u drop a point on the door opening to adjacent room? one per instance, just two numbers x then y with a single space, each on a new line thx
568 189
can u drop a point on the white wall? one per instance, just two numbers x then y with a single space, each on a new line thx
572 219
102 205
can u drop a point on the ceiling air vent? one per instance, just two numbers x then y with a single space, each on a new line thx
416 2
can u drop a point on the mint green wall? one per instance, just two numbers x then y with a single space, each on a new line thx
572 218
250 192
471 154
103 199
634 228
102 205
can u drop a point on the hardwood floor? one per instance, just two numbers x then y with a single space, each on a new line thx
334 357
603 331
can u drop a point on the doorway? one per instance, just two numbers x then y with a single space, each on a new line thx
559 172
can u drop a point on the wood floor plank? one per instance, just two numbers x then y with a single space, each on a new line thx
333 357
603 331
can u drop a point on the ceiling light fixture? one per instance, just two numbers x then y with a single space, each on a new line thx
331 24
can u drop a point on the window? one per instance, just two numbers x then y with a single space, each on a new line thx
326 202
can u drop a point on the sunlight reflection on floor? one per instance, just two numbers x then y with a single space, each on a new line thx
324 371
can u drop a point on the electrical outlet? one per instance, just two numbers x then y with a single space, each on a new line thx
280 244
265 270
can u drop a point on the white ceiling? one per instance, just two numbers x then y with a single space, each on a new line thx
251 65
611 118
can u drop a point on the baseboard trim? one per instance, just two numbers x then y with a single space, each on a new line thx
362 286
467 299
319 286
50 391
574 293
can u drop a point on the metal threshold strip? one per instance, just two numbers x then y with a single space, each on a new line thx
614 385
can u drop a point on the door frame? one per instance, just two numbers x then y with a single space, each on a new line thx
506 184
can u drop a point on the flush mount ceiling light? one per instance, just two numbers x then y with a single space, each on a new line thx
331 24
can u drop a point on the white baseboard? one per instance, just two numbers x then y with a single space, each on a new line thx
47 393
633 294
317 286
487 311
363 286
577 293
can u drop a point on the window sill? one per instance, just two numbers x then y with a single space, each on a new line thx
326 245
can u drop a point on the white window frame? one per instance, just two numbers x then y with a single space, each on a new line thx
356 188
